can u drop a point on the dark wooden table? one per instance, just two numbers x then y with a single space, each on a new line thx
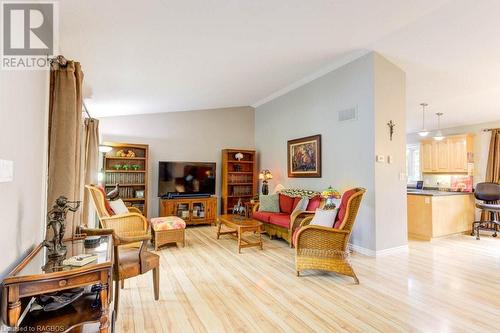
35 275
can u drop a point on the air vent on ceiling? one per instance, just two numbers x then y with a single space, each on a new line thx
348 114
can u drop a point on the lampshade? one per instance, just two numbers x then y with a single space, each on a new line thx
438 136
105 149
265 175
423 132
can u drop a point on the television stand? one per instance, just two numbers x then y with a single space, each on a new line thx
192 209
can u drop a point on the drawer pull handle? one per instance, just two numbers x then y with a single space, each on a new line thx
63 283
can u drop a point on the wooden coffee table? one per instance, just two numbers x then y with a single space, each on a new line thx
239 225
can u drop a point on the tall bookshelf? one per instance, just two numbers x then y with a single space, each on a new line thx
131 173
239 178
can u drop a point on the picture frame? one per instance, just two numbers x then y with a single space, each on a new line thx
139 194
304 157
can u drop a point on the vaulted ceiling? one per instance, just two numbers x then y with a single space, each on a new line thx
159 56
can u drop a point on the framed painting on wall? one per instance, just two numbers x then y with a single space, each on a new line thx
304 157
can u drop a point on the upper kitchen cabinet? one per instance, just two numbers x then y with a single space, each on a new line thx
451 155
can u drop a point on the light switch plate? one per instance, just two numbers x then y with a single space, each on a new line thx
6 171
380 158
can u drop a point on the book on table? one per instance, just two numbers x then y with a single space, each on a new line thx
80 260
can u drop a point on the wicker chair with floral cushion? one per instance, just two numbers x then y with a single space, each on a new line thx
324 248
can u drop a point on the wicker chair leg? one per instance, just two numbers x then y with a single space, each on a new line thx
298 273
356 280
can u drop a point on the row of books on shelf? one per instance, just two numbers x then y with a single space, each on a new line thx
124 178
128 192
241 190
245 178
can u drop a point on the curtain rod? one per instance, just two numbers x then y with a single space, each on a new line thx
60 60
489 129
86 110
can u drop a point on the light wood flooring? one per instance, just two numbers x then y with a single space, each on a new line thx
448 285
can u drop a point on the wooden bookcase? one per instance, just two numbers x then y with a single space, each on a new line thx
130 172
239 178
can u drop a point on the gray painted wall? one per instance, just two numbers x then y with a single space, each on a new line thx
23 109
348 147
183 136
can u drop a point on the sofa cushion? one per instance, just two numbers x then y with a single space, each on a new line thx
300 204
269 203
118 206
262 216
343 208
280 219
313 203
286 204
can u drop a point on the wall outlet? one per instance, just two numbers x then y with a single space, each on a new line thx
380 158
6 171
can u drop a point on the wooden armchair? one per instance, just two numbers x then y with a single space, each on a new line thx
127 229
324 248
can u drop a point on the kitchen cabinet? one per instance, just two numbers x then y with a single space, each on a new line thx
451 155
433 216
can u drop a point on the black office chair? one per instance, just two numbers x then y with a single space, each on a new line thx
489 194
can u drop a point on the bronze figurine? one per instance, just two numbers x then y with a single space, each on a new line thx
56 218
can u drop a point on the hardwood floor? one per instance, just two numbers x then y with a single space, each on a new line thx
449 285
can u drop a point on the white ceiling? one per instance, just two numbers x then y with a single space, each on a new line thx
160 56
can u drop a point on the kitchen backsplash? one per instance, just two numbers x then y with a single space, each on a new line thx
449 182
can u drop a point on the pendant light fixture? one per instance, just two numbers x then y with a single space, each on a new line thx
423 132
439 135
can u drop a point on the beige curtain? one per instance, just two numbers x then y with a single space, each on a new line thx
493 167
91 167
65 130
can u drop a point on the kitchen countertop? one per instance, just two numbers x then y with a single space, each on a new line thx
434 192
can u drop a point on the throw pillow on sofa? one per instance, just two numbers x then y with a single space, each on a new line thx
286 203
324 217
269 203
301 205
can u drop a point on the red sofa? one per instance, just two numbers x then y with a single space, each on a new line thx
284 223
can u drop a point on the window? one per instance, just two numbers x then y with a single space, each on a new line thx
413 162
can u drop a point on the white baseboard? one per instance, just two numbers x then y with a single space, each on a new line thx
372 253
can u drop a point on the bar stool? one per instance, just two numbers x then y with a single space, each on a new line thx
489 194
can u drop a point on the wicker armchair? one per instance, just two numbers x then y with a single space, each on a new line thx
323 248
126 225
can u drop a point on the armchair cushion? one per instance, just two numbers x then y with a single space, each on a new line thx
286 203
324 217
295 235
343 208
118 206
314 203
106 201
280 219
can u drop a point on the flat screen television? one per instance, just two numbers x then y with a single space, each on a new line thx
185 178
